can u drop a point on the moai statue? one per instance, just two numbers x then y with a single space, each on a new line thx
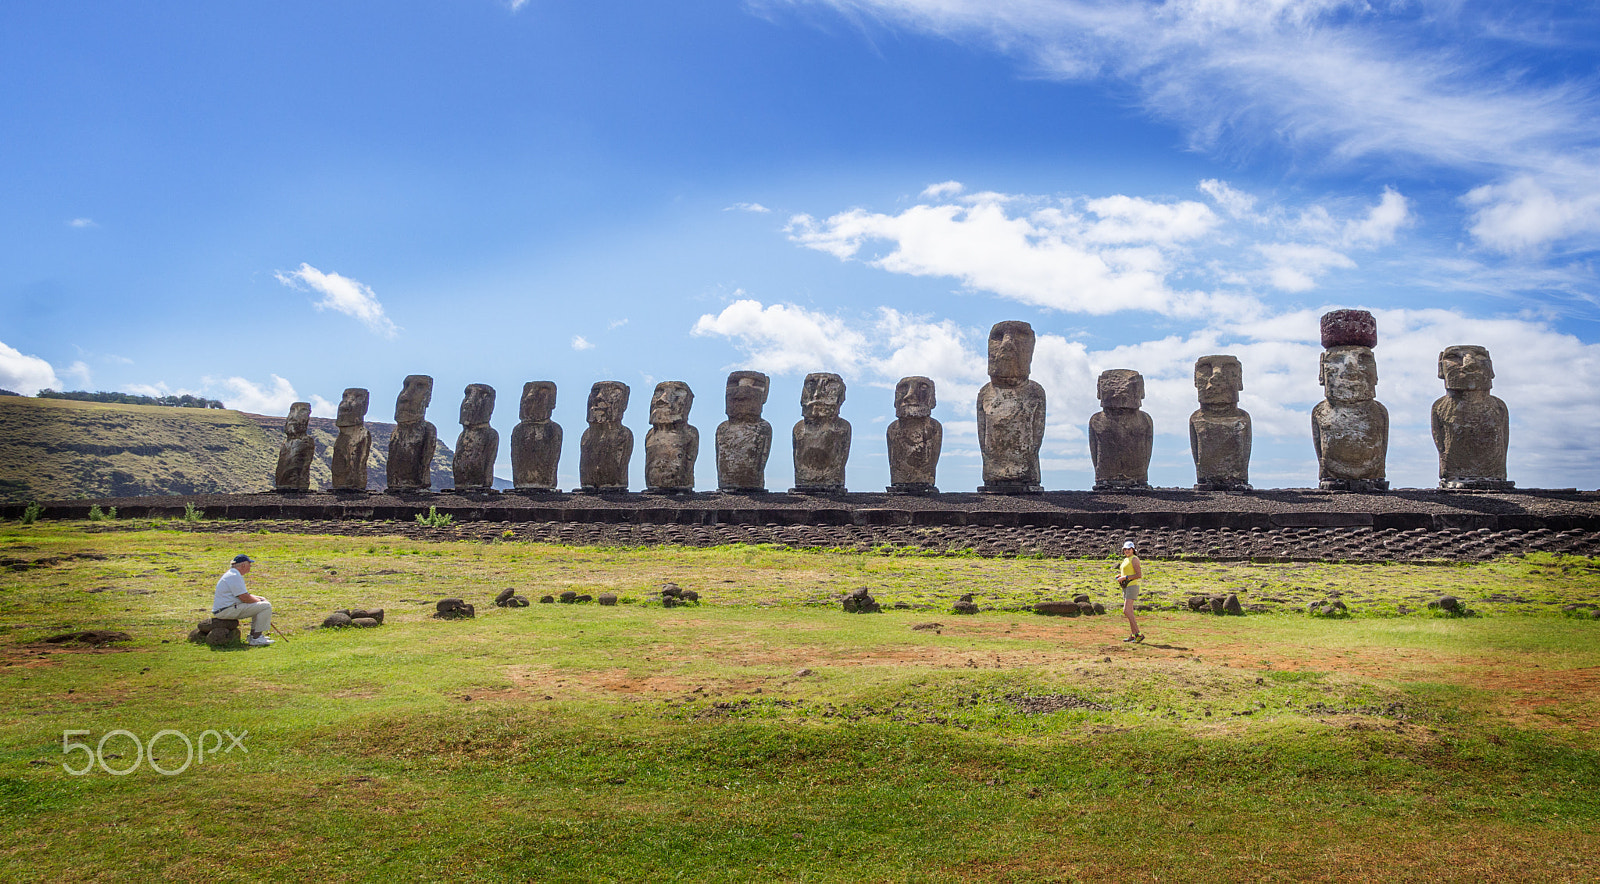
1010 413
354 445
536 442
607 445
1471 427
671 445
411 446
822 437
915 438
1120 435
1350 428
478 443
744 440
1219 431
296 452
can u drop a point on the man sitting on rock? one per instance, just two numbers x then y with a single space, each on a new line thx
233 602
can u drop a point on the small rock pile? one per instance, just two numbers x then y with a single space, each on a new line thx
965 605
1217 604
672 595
859 601
216 632
453 609
508 598
1451 606
1080 605
1582 610
358 617
1328 608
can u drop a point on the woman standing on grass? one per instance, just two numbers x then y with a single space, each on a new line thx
1128 578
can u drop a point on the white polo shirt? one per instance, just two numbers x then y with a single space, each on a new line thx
229 588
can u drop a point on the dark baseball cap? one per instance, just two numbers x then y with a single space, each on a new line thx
241 557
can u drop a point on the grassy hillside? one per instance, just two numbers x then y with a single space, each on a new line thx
57 449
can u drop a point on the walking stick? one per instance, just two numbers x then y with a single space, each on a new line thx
274 628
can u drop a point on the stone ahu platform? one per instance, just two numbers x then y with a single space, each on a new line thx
1268 526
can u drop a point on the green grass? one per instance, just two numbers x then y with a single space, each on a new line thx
765 735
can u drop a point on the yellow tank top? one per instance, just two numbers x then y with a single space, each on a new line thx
1126 570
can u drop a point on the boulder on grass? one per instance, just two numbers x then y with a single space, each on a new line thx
504 596
607 599
363 622
337 620
1231 605
964 607
859 601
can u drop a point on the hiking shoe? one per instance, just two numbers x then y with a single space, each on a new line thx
1132 638
259 641
1139 637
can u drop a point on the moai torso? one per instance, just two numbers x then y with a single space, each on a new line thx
1219 431
1471 426
822 437
353 447
296 452
915 438
1011 412
536 441
671 446
607 445
412 445
478 444
1120 435
744 440
1350 428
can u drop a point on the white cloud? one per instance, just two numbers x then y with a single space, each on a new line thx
617 323
1294 267
80 371
1339 80
579 342
25 374
1236 203
244 395
1390 214
786 338
941 190
341 294
82 223
748 207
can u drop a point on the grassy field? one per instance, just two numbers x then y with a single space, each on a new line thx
765 735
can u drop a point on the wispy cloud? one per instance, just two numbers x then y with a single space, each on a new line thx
579 342
82 223
748 207
242 394
343 295
1435 82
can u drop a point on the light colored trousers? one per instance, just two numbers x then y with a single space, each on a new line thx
260 614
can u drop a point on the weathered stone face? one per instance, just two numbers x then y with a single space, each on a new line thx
353 407
1218 379
538 401
351 451
296 452
1120 388
1121 436
607 445
746 394
915 438
1471 426
1349 374
821 396
822 438
1010 353
1219 431
477 405
607 402
914 397
415 395
671 403
1466 367
672 445
536 440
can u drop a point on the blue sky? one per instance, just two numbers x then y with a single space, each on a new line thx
269 202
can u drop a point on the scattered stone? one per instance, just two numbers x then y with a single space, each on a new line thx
568 597
1057 609
337 620
363 622
359 613
1328 608
547 599
607 599
964 606
803 673
859 601
1082 597
583 599
504 596
1231 605
454 609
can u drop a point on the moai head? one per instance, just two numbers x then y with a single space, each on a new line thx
353 407
1010 352
1349 374
671 403
477 404
538 401
607 401
298 421
821 396
1466 367
412 406
913 397
1121 388
1218 379
746 393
